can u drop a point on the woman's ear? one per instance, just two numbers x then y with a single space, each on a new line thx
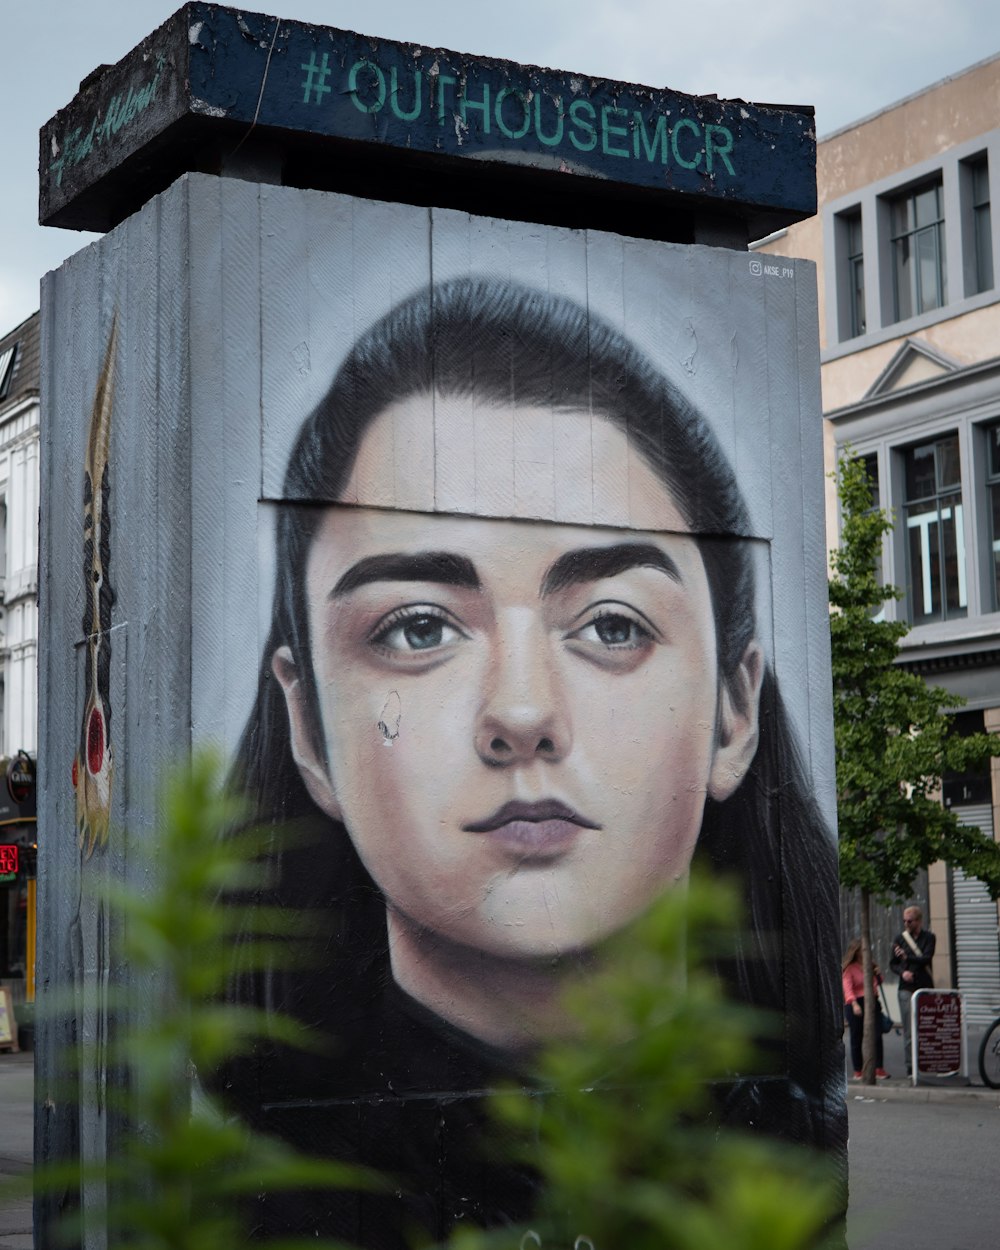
311 763
739 725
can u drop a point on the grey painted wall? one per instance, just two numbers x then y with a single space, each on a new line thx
235 304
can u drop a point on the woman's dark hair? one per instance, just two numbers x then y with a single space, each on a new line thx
500 341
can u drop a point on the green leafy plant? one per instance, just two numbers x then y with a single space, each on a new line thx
616 1126
619 1127
893 737
181 1169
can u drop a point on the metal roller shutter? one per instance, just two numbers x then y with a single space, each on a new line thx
977 950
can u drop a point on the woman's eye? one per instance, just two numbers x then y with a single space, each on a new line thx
422 632
614 629
417 631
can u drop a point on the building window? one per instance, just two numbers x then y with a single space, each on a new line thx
972 787
982 226
993 490
855 274
871 468
936 587
919 270
3 550
7 368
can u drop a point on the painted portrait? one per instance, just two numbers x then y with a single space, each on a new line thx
491 558
516 677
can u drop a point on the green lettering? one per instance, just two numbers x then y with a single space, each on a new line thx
414 113
502 95
641 139
723 148
483 105
591 143
87 145
607 128
110 123
443 80
687 124
352 86
548 140
128 112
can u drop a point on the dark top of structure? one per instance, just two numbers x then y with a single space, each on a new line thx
224 91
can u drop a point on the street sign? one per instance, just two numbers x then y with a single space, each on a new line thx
9 862
20 777
939 1035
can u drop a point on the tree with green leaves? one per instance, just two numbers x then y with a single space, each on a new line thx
893 736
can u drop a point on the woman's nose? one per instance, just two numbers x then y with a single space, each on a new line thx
523 716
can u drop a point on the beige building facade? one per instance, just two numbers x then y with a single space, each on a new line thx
908 254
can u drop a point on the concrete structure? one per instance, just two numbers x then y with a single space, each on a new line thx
247 170
909 298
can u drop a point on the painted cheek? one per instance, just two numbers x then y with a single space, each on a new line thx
655 732
410 750
663 797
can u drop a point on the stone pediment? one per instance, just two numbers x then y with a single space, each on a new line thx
913 362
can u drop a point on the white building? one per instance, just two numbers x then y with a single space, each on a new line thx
19 409
19 432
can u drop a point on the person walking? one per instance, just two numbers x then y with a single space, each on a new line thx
853 978
912 952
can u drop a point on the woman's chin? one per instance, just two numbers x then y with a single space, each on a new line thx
541 946
541 930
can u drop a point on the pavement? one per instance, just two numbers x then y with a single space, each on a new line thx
890 1206
895 1090
17 1082
899 1086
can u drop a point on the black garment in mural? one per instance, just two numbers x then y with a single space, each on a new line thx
404 1093
413 1108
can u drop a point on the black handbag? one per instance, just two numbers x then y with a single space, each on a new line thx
884 1019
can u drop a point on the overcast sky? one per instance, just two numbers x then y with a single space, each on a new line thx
848 58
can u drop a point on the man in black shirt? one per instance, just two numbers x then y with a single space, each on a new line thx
912 952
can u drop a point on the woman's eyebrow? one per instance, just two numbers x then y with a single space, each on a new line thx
400 566
590 564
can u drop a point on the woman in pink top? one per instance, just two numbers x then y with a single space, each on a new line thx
854 1007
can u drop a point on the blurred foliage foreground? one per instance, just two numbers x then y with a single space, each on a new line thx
613 1126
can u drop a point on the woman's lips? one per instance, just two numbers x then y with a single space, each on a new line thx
544 828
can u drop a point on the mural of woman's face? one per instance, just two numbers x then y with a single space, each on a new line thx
520 721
